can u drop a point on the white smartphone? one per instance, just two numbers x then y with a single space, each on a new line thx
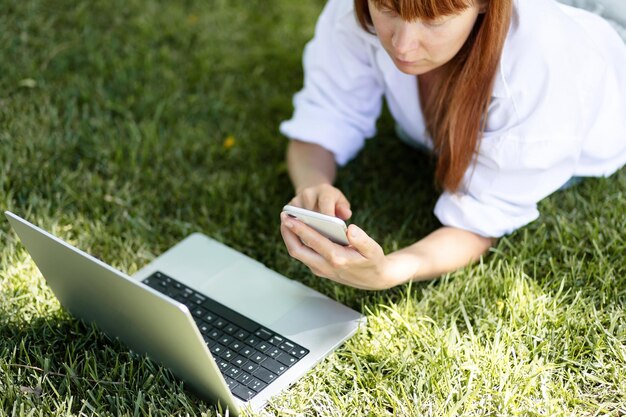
333 228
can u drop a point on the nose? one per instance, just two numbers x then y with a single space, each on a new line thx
406 38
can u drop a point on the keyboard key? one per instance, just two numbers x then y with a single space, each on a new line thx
210 318
227 355
258 357
252 341
276 340
244 378
287 359
247 351
231 382
251 367
299 352
263 346
274 366
198 298
217 349
233 372
264 375
236 345
225 340
241 335
274 352
256 385
239 361
214 334
219 323
287 346
230 329
263 334
243 392
198 312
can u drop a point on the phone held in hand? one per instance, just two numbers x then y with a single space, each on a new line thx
333 228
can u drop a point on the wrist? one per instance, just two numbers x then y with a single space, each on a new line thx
401 267
298 188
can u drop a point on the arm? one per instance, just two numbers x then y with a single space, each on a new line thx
444 250
364 265
309 165
312 171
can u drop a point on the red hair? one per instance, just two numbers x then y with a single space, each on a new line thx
456 115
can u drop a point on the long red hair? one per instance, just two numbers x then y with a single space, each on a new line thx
456 114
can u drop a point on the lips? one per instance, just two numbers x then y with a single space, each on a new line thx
402 61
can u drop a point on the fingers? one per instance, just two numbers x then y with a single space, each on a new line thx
299 250
334 256
342 209
296 201
326 204
323 198
345 265
364 244
308 199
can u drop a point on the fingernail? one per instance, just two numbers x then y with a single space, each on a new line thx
289 224
355 231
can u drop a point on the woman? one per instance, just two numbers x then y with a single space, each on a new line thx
515 98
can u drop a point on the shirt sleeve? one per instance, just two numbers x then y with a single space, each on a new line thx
539 123
530 148
509 178
342 95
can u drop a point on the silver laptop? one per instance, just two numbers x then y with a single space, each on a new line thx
235 331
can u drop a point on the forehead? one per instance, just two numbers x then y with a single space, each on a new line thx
423 9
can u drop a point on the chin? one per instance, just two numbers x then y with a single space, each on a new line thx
413 69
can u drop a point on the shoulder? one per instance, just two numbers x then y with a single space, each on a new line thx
550 70
546 50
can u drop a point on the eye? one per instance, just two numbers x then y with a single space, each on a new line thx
437 22
386 10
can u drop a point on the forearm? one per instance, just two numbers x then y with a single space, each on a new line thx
309 165
444 250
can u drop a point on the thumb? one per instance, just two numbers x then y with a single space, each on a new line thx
364 244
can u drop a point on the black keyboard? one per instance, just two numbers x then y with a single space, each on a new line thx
249 355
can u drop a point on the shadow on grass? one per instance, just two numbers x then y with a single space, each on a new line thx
57 359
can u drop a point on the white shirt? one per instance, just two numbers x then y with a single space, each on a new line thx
558 108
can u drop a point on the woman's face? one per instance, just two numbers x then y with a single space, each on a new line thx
418 47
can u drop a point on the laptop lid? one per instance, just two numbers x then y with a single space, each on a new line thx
124 308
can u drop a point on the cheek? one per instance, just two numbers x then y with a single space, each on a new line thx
444 44
384 32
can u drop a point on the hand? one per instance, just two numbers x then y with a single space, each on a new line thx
323 198
361 265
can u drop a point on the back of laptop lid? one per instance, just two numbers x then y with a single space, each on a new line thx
139 316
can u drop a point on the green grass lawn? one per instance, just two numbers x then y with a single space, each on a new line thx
127 125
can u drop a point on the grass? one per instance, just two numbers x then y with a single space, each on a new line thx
126 125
